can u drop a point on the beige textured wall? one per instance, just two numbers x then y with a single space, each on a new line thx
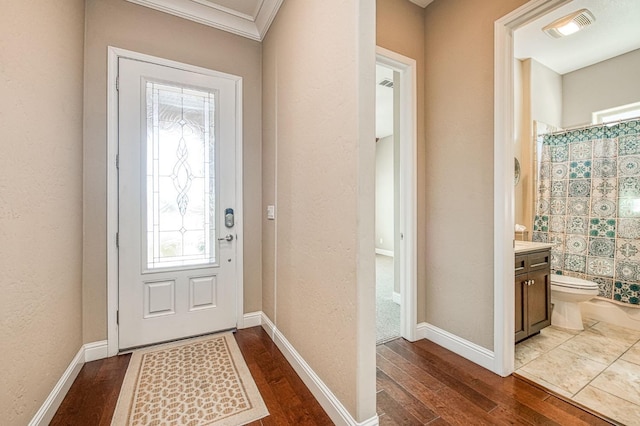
600 86
400 28
40 200
316 166
122 24
459 166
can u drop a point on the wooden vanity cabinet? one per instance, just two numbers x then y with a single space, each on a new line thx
533 293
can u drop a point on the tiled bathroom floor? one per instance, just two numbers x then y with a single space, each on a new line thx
598 367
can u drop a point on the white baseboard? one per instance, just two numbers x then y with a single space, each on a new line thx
334 408
268 325
396 297
95 350
48 409
466 349
252 319
87 353
384 252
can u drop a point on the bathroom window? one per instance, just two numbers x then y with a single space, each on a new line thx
624 112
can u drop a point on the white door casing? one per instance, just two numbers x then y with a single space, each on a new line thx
503 217
175 277
407 248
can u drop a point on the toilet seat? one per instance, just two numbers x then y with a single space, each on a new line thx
573 282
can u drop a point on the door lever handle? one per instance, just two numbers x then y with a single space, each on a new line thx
228 237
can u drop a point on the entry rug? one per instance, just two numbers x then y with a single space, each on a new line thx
197 382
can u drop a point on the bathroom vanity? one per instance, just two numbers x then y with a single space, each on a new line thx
532 288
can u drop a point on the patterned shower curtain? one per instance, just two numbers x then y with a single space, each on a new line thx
588 205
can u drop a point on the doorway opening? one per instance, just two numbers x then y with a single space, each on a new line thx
564 88
388 303
174 205
395 213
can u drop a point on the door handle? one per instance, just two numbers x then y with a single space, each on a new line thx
228 237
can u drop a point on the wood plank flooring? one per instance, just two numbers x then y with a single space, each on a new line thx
418 383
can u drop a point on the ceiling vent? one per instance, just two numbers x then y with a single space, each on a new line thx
570 24
386 82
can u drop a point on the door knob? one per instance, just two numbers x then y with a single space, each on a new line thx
228 237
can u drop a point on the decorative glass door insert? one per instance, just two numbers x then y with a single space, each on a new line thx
180 176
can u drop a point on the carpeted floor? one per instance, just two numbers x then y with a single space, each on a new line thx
387 311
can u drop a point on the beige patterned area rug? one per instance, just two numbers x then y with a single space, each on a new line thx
197 382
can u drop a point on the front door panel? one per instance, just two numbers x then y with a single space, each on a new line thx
177 147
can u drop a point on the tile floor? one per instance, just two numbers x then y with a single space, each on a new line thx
598 367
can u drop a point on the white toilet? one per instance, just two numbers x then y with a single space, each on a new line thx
566 293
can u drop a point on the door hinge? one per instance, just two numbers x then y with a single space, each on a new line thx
118 161
117 239
118 317
117 83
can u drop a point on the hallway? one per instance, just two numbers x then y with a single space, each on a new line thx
417 383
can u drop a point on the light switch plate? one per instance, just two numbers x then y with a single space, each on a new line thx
271 212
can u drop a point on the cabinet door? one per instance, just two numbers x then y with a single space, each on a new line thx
521 307
538 300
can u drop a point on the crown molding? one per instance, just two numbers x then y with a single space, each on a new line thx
253 27
422 3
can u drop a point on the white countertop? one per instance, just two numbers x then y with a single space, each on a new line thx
528 246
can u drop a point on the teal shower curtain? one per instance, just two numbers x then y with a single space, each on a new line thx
588 205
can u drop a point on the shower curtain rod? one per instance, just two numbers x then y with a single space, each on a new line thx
608 124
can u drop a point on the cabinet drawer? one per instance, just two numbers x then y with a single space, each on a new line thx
521 264
539 260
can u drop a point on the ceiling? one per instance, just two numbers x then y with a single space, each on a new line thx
245 8
384 103
615 31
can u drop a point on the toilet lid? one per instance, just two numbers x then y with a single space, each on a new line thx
573 282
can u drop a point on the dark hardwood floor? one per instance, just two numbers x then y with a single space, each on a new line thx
417 383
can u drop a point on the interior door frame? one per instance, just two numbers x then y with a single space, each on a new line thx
408 187
503 209
114 54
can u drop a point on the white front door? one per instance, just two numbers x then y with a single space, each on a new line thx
177 190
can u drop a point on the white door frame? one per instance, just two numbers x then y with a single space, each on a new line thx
503 219
112 184
408 187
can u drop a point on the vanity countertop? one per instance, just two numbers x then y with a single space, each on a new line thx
528 246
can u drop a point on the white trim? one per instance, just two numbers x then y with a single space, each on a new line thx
408 186
331 404
95 350
239 208
384 252
503 219
422 3
112 200
395 297
469 350
252 319
268 325
49 407
113 54
252 27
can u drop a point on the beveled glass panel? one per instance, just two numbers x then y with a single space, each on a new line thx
180 212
